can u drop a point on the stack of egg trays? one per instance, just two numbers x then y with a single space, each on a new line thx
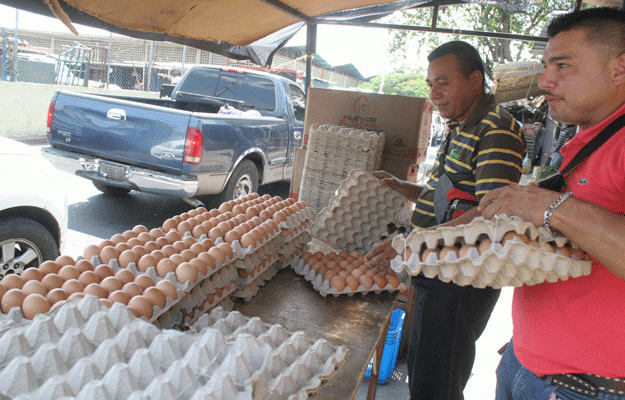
251 278
333 151
323 285
183 289
513 264
84 350
359 213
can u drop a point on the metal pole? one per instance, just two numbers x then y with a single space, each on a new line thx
108 60
184 57
4 55
149 78
15 45
311 48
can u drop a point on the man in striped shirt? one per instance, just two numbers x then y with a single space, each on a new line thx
482 150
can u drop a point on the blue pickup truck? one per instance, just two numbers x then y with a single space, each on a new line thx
222 132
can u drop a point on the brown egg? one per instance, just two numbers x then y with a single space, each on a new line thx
366 280
379 280
32 287
90 251
170 250
64 260
158 255
156 233
393 280
144 237
352 282
484 246
56 295
199 231
169 224
3 290
249 239
124 276
197 249
34 304
121 247
225 226
31 274
463 252
426 253
72 286
446 250
105 243
129 234
157 244
207 243
156 296
132 289
231 236
146 262
106 303
164 267
139 250
13 281
139 229
224 207
173 236
127 257
84 265
118 238
144 281
548 247
88 277
357 272
12 298
200 266
186 272
187 242
107 254
217 254
77 295
208 260
111 284
177 259
49 267
215 233
52 281
102 271
187 255
168 288
226 249
96 290
329 274
119 296
140 306
344 274
183 227
69 272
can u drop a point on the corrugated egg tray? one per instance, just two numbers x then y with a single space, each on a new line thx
84 350
515 253
333 151
325 285
359 213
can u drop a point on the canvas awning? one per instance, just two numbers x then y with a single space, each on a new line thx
240 29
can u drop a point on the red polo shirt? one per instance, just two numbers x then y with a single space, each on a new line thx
578 325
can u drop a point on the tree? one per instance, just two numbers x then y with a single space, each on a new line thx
399 82
478 17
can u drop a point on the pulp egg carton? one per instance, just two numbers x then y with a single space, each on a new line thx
324 287
219 240
84 350
303 238
197 312
250 290
296 219
514 263
359 213
241 251
295 232
246 277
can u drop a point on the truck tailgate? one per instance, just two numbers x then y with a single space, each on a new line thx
129 132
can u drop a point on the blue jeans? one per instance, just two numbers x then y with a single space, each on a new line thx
447 321
515 382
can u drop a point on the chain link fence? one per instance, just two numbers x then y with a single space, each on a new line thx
119 62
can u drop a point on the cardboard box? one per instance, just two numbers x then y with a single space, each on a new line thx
298 165
404 120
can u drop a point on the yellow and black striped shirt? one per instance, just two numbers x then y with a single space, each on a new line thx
484 153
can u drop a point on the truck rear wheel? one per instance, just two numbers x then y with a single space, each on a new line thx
24 243
110 190
244 180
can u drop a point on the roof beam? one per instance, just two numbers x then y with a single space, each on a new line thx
498 35
288 10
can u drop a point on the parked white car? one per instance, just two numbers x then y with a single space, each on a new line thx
437 129
33 208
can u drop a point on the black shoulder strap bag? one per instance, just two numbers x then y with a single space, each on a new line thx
556 182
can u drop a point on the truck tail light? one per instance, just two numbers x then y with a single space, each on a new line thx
50 115
193 146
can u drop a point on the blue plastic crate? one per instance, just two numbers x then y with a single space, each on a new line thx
391 348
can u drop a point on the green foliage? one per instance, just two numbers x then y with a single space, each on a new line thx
399 82
477 17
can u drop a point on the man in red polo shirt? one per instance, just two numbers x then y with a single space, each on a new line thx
568 336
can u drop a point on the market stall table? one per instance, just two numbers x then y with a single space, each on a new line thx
358 322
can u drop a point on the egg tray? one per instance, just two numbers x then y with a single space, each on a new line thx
295 220
225 303
359 213
181 318
246 277
84 350
248 291
323 285
252 259
514 263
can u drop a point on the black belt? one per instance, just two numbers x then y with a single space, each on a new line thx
588 384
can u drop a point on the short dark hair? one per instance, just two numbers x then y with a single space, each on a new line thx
603 25
467 57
